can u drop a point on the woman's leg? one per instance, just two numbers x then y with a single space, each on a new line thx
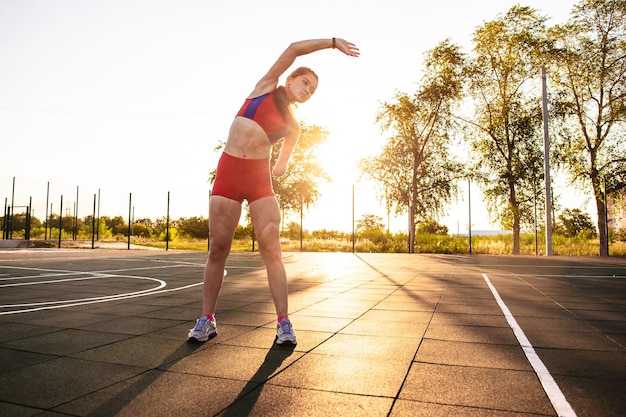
224 215
265 215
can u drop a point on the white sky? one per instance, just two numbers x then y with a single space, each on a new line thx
132 96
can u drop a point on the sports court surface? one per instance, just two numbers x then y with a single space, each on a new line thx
103 333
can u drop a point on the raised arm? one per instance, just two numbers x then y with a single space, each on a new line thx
270 80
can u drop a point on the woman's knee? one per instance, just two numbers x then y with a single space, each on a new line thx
218 251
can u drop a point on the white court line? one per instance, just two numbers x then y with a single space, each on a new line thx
558 400
161 284
51 305
113 298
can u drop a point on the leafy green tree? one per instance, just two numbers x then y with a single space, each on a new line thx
575 222
292 231
589 73
117 224
414 168
145 221
19 221
193 227
68 223
244 232
170 235
432 227
370 222
507 143
141 230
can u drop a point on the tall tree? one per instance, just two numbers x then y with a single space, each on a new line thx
414 168
589 73
503 74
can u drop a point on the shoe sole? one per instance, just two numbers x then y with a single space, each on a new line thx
285 342
202 340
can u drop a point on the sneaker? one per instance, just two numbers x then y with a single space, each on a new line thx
285 333
205 329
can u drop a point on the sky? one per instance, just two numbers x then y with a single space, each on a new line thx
128 99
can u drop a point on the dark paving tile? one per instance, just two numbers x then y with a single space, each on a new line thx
472 309
16 331
12 410
64 342
406 306
141 351
473 354
548 325
599 364
14 359
179 332
556 339
242 318
618 338
368 325
455 319
58 318
494 389
286 401
548 310
380 347
609 326
236 362
363 376
173 313
337 308
403 408
320 324
51 383
263 338
594 396
157 394
133 325
473 334
595 315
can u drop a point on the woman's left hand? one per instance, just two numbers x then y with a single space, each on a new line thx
346 47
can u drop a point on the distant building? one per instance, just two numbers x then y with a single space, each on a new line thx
617 213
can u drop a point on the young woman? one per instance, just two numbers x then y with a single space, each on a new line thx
243 173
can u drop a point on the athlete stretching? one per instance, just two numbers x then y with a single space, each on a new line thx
243 173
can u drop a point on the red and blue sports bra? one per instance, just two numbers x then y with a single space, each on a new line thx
263 110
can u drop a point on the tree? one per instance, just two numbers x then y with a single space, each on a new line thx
193 227
589 74
432 227
141 230
507 122
370 222
575 222
299 187
117 224
414 169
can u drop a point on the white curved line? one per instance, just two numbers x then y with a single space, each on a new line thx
116 298
162 284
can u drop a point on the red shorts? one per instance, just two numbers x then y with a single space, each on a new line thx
242 179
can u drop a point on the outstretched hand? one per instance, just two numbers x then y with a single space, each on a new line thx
346 47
